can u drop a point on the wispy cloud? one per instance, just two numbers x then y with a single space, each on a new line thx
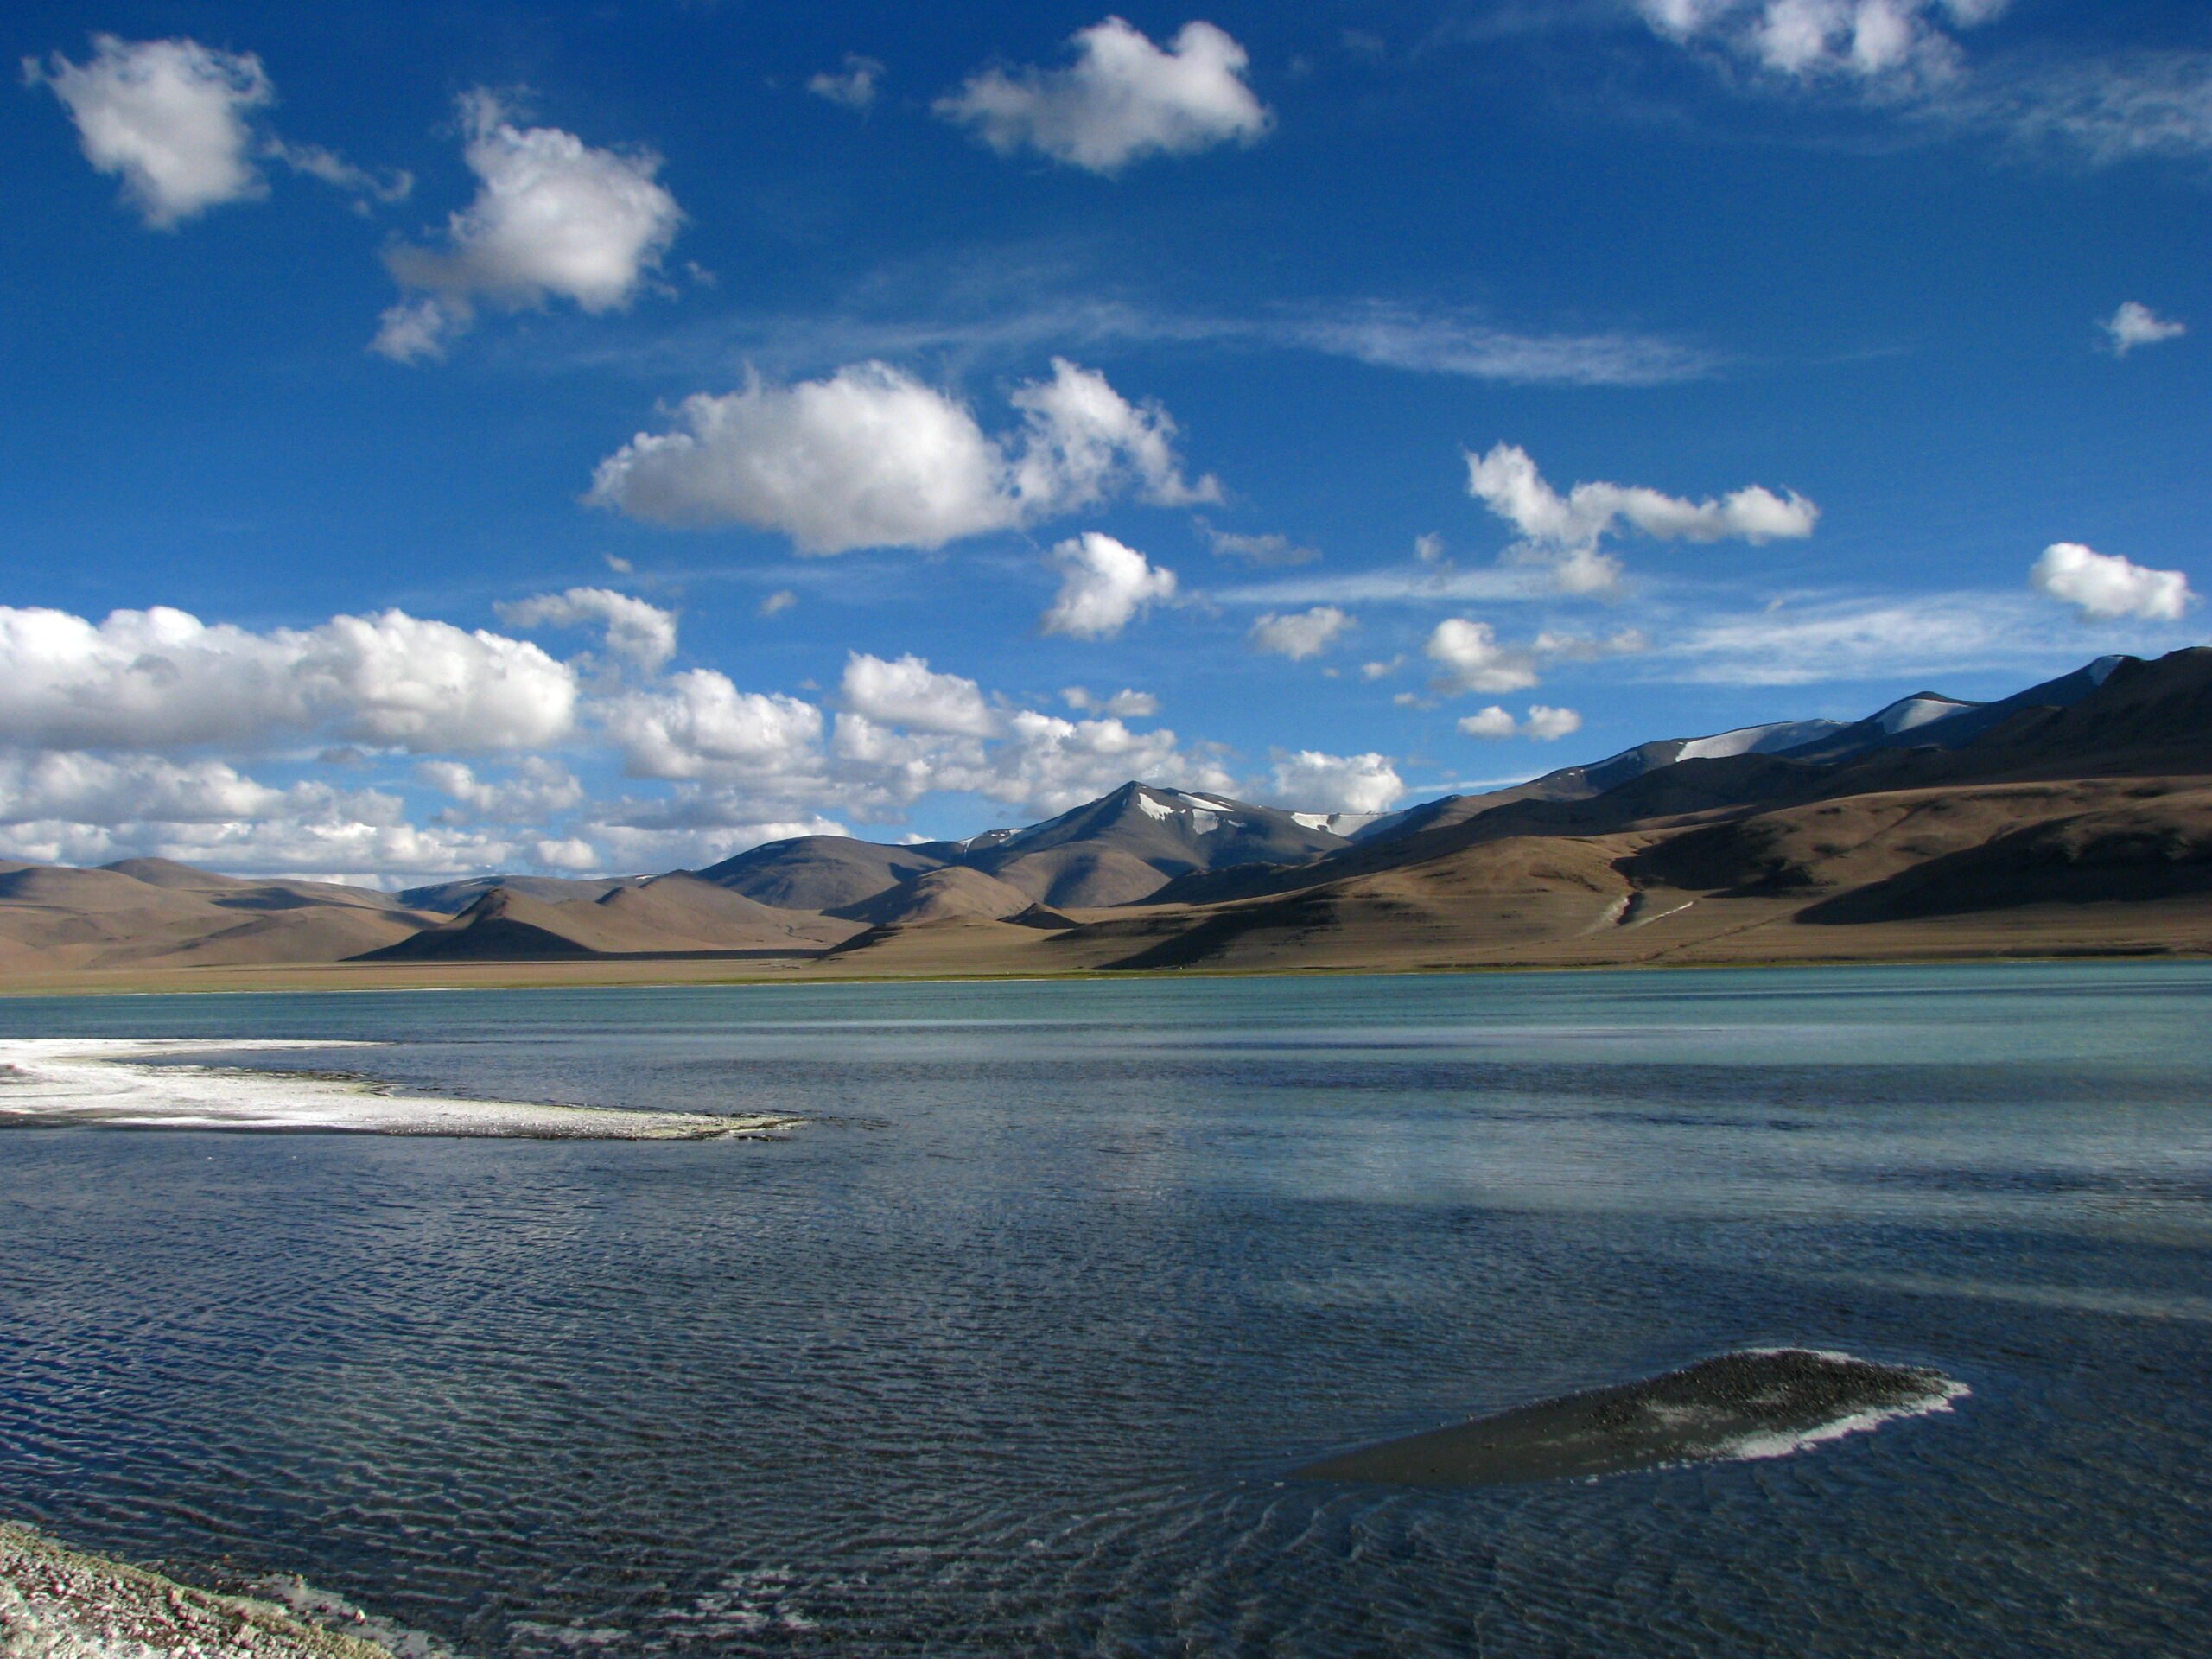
995 327
1404 584
1829 637
2102 110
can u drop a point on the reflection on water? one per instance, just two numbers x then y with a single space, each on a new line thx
1011 1349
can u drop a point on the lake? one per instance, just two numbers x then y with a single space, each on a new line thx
1011 1346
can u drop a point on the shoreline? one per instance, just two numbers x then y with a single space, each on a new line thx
58 1602
621 974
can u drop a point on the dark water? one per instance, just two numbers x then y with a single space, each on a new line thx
1011 1349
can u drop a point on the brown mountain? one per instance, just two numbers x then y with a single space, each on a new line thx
671 915
2076 817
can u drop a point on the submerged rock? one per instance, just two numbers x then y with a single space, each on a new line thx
1759 1403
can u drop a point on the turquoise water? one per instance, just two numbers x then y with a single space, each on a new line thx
1010 1349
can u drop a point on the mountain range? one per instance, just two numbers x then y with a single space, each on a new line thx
2074 816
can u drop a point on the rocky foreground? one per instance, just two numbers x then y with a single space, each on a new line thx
57 1603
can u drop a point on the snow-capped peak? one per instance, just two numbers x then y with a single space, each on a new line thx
1908 713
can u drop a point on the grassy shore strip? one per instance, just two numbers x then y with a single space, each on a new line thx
58 1602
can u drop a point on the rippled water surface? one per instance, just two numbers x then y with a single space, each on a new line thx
1009 1348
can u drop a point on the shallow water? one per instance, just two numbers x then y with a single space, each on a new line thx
1011 1349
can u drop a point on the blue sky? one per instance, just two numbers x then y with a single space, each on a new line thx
485 436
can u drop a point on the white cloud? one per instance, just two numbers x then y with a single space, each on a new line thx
1083 440
160 676
855 87
1125 704
1268 548
907 693
778 602
1312 781
2105 585
1862 40
88 789
1391 336
534 788
171 117
872 457
1123 99
1051 765
570 855
723 825
2110 109
1562 532
1545 724
1906 56
1494 723
330 846
334 170
1104 585
553 218
174 120
699 725
1925 638
641 633
1474 660
1301 634
68 806
2136 324
1589 648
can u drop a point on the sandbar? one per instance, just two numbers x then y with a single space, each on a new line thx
128 1084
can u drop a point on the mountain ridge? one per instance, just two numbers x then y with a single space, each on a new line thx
1932 824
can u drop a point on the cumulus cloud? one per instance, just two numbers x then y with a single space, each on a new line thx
636 632
697 724
73 807
162 677
1124 704
1563 532
907 693
854 86
1082 440
554 217
1052 764
2136 324
1123 99
1861 39
1494 723
2105 585
1545 723
777 603
1908 56
872 457
1312 781
533 788
1301 634
171 118
175 121
1473 659
1104 585
714 827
